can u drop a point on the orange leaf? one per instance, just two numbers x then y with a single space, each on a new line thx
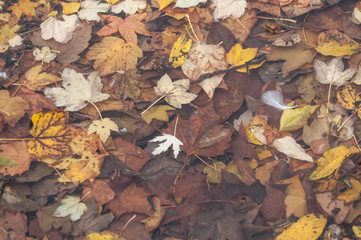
126 27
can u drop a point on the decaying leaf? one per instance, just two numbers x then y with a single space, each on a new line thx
103 128
12 108
70 205
44 54
51 134
77 92
14 157
113 54
351 194
180 48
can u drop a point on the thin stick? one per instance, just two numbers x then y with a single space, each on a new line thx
155 102
343 124
207 163
190 24
101 118
279 19
60 175
175 127
121 233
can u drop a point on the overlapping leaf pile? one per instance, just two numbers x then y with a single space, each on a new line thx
178 119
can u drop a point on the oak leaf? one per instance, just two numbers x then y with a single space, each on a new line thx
90 9
129 6
77 92
24 7
36 80
113 54
103 128
51 134
127 27
61 30
12 108
227 8
175 92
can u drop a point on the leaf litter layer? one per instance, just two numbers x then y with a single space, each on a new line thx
177 119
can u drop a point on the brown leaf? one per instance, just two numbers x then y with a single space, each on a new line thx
47 221
99 190
273 204
127 27
15 224
336 208
12 108
17 151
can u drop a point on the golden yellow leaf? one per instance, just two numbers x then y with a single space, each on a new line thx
238 56
164 3
308 227
24 7
113 54
179 51
7 33
36 80
112 1
357 231
51 134
105 235
295 118
332 159
349 96
351 194
214 172
335 43
87 153
157 112
70 7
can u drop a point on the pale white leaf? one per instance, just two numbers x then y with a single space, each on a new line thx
61 30
175 92
103 128
72 206
226 8
129 6
77 91
44 54
167 141
90 9
275 99
291 148
244 119
332 73
188 3
15 41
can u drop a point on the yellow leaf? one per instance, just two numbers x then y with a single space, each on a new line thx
238 56
332 159
164 3
157 112
112 54
214 173
105 235
308 227
51 134
351 194
112 1
349 96
36 80
24 7
256 123
86 159
70 7
7 33
180 48
295 118
357 231
335 43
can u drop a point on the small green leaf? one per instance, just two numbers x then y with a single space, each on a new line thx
7 162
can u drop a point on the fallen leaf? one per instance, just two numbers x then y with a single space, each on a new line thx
24 7
99 190
351 194
105 235
153 221
314 134
19 158
12 108
70 7
164 3
15 224
71 205
333 73
167 141
179 51
47 221
103 128
7 33
188 3
44 55
213 172
108 105
238 56
90 9
227 8
51 135
175 93
164 41
335 43
349 97
127 27
293 119
113 54
307 227
306 87
7 162
332 160
291 148
77 92
334 208
37 81
129 6
61 30
157 112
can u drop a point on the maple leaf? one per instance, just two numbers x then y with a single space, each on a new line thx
175 92
51 134
12 108
167 141
77 92
226 8
90 9
129 6
332 73
113 54
103 127
127 27
44 55
71 205
36 80
61 31
24 7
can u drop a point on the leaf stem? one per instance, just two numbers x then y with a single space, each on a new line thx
151 105
100 115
